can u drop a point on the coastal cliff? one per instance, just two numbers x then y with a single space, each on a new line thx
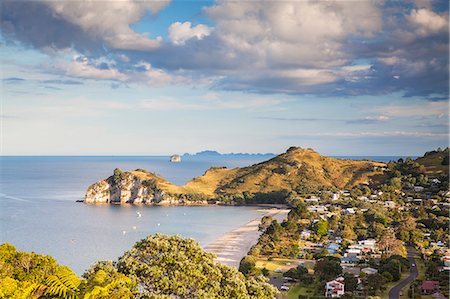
293 170
138 187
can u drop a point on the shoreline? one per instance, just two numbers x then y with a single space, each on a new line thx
234 245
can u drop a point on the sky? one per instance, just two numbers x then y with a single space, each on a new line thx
163 77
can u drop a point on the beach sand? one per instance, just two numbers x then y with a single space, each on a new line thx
234 245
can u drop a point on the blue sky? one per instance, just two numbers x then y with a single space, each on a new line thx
161 77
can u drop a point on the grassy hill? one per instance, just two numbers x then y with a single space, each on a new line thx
436 162
288 171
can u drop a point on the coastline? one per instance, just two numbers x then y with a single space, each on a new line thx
234 245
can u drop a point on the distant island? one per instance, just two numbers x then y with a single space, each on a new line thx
211 153
175 158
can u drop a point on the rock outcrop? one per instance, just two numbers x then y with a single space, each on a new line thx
138 187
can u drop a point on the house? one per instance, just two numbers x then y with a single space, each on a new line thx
348 211
446 260
318 209
369 271
418 188
435 181
305 234
312 199
347 261
351 269
332 248
429 287
368 245
335 288
335 196
417 200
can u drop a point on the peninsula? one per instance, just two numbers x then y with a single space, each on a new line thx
267 182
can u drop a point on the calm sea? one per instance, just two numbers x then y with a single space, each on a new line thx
38 211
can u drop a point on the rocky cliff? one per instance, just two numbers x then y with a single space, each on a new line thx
138 187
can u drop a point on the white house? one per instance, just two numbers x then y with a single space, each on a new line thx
418 188
317 209
335 196
335 288
367 245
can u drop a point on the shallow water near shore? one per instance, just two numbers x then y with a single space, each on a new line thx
38 211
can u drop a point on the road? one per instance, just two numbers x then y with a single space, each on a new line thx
395 290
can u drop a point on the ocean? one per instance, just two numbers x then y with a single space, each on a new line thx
39 212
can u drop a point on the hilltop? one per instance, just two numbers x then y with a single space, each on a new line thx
294 169
436 162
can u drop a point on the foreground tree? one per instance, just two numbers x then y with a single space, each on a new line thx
172 266
158 267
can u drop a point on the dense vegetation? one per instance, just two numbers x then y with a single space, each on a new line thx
156 267
405 206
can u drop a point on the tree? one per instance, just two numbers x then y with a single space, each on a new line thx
374 282
321 227
296 273
348 233
265 222
247 265
103 281
389 245
176 267
351 282
117 176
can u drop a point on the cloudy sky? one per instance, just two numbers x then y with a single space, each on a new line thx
160 77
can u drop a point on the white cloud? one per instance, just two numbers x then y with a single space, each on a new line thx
208 103
423 109
413 134
179 33
427 22
111 20
377 118
153 76
81 68
297 33
309 76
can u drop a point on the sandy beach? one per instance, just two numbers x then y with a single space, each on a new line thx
234 245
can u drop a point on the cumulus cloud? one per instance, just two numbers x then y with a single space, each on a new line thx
427 22
179 33
110 20
338 48
85 25
80 67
